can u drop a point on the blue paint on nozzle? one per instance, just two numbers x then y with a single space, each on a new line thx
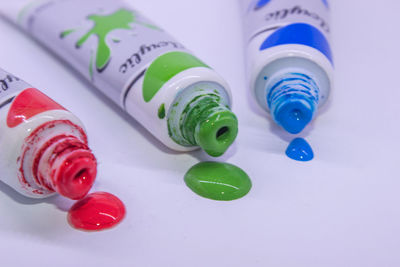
294 114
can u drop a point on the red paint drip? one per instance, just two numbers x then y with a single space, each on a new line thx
96 212
29 103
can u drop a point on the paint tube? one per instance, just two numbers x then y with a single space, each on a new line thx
154 78
290 64
44 147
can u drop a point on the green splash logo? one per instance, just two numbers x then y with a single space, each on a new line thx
103 26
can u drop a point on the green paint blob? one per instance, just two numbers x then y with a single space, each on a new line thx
209 125
218 181
164 68
103 25
161 111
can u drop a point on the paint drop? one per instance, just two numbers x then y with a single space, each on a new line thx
96 212
218 181
300 150
161 111
27 104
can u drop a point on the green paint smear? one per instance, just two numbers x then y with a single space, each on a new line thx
91 65
103 25
164 68
218 181
161 111
67 32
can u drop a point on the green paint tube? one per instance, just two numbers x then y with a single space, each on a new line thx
154 78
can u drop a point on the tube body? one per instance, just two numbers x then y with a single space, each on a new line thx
289 59
43 146
127 57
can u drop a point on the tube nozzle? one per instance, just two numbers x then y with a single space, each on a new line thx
208 123
293 100
68 167
217 132
293 114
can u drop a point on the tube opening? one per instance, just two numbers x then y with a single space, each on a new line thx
76 175
296 114
81 176
222 133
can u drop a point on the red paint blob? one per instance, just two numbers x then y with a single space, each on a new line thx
27 104
97 211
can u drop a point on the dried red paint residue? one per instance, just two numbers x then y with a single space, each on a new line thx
32 139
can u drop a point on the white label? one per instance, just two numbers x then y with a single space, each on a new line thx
10 85
106 41
267 15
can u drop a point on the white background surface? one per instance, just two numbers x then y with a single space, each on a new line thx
341 209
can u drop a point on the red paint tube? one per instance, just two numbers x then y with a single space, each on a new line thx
44 148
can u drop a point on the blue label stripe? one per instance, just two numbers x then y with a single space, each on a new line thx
261 3
299 33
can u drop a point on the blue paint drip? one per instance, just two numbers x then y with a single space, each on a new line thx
299 33
299 150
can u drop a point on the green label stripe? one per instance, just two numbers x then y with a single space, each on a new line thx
164 68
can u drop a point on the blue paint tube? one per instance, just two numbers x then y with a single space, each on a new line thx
290 65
